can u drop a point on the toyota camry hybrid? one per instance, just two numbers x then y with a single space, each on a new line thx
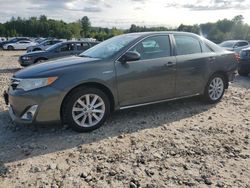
125 71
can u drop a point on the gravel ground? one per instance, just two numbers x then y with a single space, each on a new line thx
173 144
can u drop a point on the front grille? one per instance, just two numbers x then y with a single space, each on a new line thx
14 83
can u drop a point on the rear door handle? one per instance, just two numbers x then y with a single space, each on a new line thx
169 64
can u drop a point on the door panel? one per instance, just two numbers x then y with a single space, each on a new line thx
191 73
149 79
192 65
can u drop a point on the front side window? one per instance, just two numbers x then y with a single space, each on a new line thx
153 47
67 47
82 46
187 45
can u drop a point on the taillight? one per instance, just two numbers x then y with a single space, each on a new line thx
237 56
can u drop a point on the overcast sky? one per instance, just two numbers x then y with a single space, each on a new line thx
122 13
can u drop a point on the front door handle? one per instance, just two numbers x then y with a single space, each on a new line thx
169 64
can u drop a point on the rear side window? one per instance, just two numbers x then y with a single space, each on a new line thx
153 47
206 48
187 45
240 44
82 46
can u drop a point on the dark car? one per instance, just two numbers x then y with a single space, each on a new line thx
43 45
59 50
13 40
244 62
123 72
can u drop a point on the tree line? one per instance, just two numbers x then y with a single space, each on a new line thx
219 31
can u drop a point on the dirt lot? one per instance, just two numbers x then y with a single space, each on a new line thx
174 144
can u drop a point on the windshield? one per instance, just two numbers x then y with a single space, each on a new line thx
109 47
53 47
227 44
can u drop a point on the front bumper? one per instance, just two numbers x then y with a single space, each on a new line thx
25 62
47 99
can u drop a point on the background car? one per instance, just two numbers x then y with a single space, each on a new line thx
13 40
56 51
43 45
244 62
125 71
235 45
20 45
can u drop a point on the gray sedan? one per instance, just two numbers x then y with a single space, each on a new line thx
123 72
58 50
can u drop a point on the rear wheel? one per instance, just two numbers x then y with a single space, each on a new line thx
10 48
86 109
215 88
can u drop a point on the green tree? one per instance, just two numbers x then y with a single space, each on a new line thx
86 25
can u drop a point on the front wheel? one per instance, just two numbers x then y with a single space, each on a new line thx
215 89
86 109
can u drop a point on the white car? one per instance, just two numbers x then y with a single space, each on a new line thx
20 45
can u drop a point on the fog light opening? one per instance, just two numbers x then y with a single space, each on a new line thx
29 114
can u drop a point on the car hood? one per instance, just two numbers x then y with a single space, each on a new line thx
36 53
50 67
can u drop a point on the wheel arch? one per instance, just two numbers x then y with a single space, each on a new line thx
97 85
222 73
40 58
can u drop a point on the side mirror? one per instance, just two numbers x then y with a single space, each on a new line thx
130 56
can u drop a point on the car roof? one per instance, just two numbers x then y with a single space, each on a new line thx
162 32
235 41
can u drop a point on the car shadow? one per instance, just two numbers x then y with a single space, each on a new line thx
242 82
4 71
21 142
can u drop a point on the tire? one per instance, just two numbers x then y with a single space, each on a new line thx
243 73
10 48
215 89
83 119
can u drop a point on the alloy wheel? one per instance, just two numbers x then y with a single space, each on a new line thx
88 110
216 88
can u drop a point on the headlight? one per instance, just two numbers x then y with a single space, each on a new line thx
26 58
30 84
